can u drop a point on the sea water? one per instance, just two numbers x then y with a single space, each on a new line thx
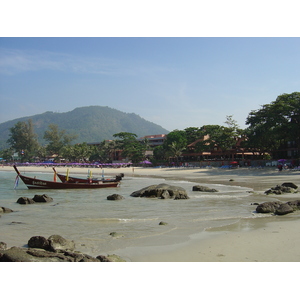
88 218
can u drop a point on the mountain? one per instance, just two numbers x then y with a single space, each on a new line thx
90 124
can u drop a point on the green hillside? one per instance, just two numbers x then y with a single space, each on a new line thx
90 124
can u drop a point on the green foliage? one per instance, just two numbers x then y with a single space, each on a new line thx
275 123
224 137
78 152
132 148
57 139
23 139
193 134
176 136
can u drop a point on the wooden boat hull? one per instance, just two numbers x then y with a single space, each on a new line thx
34 183
63 178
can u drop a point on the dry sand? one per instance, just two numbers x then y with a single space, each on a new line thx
273 239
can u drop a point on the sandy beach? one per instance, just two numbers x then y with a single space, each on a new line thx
273 239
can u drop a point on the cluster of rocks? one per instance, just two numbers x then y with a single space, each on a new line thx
278 207
54 249
162 191
37 198
287 187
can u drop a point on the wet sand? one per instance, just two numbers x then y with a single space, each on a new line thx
273 239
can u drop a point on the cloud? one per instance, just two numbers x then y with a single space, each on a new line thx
14 61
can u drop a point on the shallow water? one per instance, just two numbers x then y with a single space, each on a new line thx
88 218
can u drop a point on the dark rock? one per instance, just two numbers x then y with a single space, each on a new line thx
57 243
159 191
38 242
280 189
290 184
295 204
200 188
163 223
5 210
15 254
116 235
25 200
115 197
42 198
103 258
284 209
268 207
278 208
42 255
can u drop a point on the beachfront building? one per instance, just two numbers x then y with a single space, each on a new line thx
154 140
214 152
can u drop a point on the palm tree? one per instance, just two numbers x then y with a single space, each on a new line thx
176 150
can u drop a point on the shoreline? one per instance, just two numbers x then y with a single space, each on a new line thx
272 239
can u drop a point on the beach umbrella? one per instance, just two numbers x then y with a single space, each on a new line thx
147 162
281 160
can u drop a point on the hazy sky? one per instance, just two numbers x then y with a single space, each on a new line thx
173 82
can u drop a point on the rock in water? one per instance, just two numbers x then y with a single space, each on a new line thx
38 242
268 207
42 198
115 197
25 200
57 242
284 209
206 189
278 208
162 191
290 184
5 210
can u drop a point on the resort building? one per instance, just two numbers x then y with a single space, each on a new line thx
154 140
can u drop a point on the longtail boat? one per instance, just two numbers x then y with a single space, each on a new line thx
34 183
70 179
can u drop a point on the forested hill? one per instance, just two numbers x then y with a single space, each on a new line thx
91 124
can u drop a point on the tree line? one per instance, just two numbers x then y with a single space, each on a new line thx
270 129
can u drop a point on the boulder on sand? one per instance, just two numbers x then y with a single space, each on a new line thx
163 191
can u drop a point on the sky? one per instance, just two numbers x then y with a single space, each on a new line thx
174 82
173 66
